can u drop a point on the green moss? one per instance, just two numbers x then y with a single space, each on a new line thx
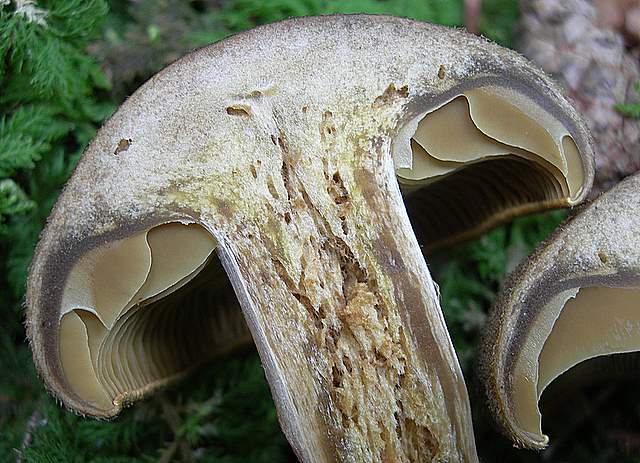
631 109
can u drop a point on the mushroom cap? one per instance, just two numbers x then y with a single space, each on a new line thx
575 298
201 161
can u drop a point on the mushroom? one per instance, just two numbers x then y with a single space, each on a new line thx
258 177
574 299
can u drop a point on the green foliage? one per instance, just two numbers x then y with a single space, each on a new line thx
471 275
13 202
498 20
631 109
48 111
26 135
243 14
19 389
47 55
209 418
63 437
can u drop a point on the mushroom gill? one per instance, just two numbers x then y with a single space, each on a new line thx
270 193
575 299
139 311
479 160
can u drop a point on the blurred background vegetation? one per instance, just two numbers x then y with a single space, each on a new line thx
65 65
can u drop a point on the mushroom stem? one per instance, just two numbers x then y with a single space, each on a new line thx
337 300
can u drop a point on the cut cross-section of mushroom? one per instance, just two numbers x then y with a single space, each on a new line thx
261 172
494 143
576 298
127 304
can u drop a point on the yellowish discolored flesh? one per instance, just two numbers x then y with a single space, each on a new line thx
117 341
597 321
466 153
